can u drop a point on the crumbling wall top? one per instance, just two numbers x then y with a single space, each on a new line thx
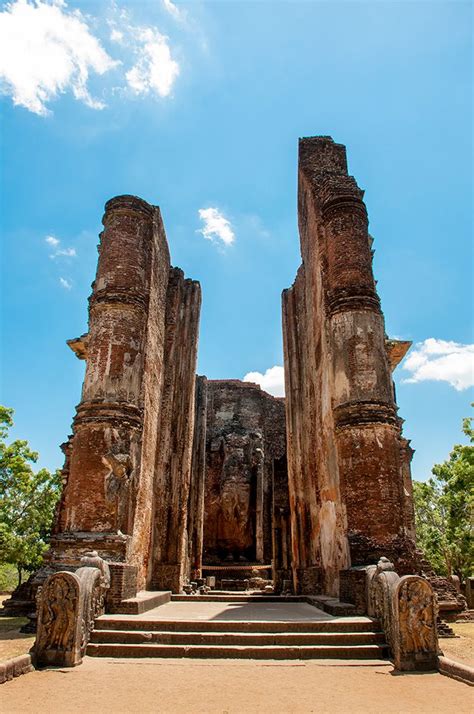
130 203
240 384
320 154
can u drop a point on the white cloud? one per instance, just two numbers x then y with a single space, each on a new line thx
216 226
176 12
57 251
116 36
155 70
45 50
66 252
273 381
441 361
66 284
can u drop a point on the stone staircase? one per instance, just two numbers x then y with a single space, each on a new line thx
151 635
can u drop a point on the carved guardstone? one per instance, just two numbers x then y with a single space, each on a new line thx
59 631
415 611
68 604
407 610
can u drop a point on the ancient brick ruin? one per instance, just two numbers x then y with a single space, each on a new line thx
245 453
127 477
177 481
349 472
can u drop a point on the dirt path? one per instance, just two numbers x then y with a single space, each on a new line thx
460 648
12 641
103 686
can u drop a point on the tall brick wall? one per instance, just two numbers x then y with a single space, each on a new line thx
195 526
127 468
175 435
347 461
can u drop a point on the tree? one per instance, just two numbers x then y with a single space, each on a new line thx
444 511
27 501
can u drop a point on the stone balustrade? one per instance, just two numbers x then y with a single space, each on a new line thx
407 609
67 605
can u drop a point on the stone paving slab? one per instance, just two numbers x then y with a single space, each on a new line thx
195 610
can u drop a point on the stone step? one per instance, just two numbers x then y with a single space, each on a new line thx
144 601
148 624
332 605
237 597
239 651
232 638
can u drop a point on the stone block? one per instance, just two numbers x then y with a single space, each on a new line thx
309 580
123 585
353 588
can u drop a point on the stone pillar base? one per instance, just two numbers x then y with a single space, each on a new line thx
68 548
123 585
308 580
353 588
282 581
168 576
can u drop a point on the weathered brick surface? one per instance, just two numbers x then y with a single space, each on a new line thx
123 585
195 525
245 435
353 588
348 464
127 464
281 528
175 435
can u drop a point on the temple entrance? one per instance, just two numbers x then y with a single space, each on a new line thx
245 438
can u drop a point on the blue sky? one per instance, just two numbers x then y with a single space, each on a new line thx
198 106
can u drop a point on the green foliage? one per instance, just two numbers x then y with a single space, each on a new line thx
444 511
8 578
27 501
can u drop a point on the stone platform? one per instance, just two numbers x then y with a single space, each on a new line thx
239 576
255 628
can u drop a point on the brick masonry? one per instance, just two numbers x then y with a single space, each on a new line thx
347 461
128 462
163 469
245 438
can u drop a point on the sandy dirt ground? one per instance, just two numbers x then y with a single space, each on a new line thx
460 648
103 686
12 641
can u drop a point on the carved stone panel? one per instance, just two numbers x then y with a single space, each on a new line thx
59 627
415 610
68 604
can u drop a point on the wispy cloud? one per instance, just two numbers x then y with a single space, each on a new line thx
59 252
46 50
155 71
216 227
272 381
52 241
65 252
116 35
178 13
66 284
441 361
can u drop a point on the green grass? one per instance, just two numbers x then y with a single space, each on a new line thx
8 578
9 624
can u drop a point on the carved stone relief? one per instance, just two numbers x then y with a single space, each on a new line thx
68 604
